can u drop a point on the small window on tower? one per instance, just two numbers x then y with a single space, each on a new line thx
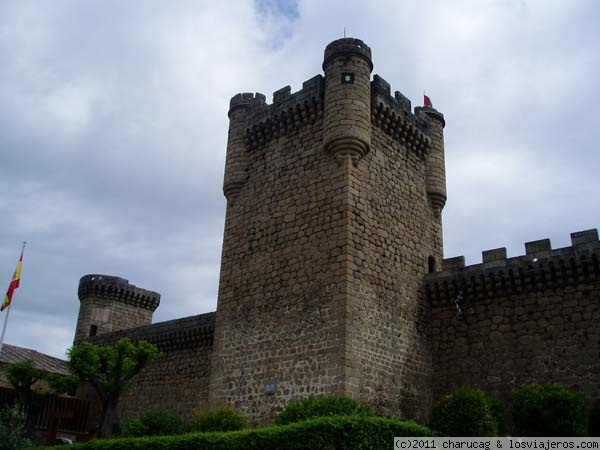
347 78
431 264
93 330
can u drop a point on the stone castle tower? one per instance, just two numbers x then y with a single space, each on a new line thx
111 304
334 198
332 278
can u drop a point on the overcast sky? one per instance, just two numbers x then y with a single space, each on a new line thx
113 128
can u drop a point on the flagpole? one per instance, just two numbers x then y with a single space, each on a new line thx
9 308
4 328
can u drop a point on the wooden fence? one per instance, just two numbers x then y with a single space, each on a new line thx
72 413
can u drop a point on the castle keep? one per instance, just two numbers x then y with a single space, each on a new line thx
333 280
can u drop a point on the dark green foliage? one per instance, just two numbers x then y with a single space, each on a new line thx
594 419
497 410
12 428
325 433
110 370
156 423
298 410
22 375
465 412
62 384
221 418
548 410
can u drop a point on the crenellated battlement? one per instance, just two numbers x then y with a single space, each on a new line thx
116 288
540 268
288 112
394 116
247 100
178 334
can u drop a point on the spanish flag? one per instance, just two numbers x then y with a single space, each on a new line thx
14 283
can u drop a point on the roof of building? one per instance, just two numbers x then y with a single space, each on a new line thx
11 354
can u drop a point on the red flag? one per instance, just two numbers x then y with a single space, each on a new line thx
14 284
427 101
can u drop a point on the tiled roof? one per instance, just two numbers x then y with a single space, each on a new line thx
11 354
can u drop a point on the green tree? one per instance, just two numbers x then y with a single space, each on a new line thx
22 376
110 370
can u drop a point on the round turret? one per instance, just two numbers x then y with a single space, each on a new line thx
347 113
110 303
236 161
435 169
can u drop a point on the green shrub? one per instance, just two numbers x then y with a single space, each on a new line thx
594 419
324 433
298 410
221 418
497 409
548 410
155 423
12 428
466 412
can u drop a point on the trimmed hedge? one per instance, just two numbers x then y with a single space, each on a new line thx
156 423
594 419
326 433
308 408
221 418
548 410
466 412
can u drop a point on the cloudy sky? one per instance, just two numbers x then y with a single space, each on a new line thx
113 127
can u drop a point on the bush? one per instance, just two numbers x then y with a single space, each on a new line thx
156 423
324 433
12 428
497 410
298 410
594 419
548 410
221 418
466 412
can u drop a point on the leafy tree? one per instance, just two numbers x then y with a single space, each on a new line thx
22 376
110 369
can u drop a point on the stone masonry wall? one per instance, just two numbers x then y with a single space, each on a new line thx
393 233
528 319
279 332
178 381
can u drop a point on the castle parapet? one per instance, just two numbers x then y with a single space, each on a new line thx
178 334
116 288
540 268
394 116
288 112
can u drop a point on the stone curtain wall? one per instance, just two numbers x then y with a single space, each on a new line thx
528 319
178 381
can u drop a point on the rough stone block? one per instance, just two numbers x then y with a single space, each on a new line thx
584 237
458 262
495 254
542 245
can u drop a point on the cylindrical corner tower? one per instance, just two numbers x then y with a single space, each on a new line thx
111 304
435 166
347 110
237 161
